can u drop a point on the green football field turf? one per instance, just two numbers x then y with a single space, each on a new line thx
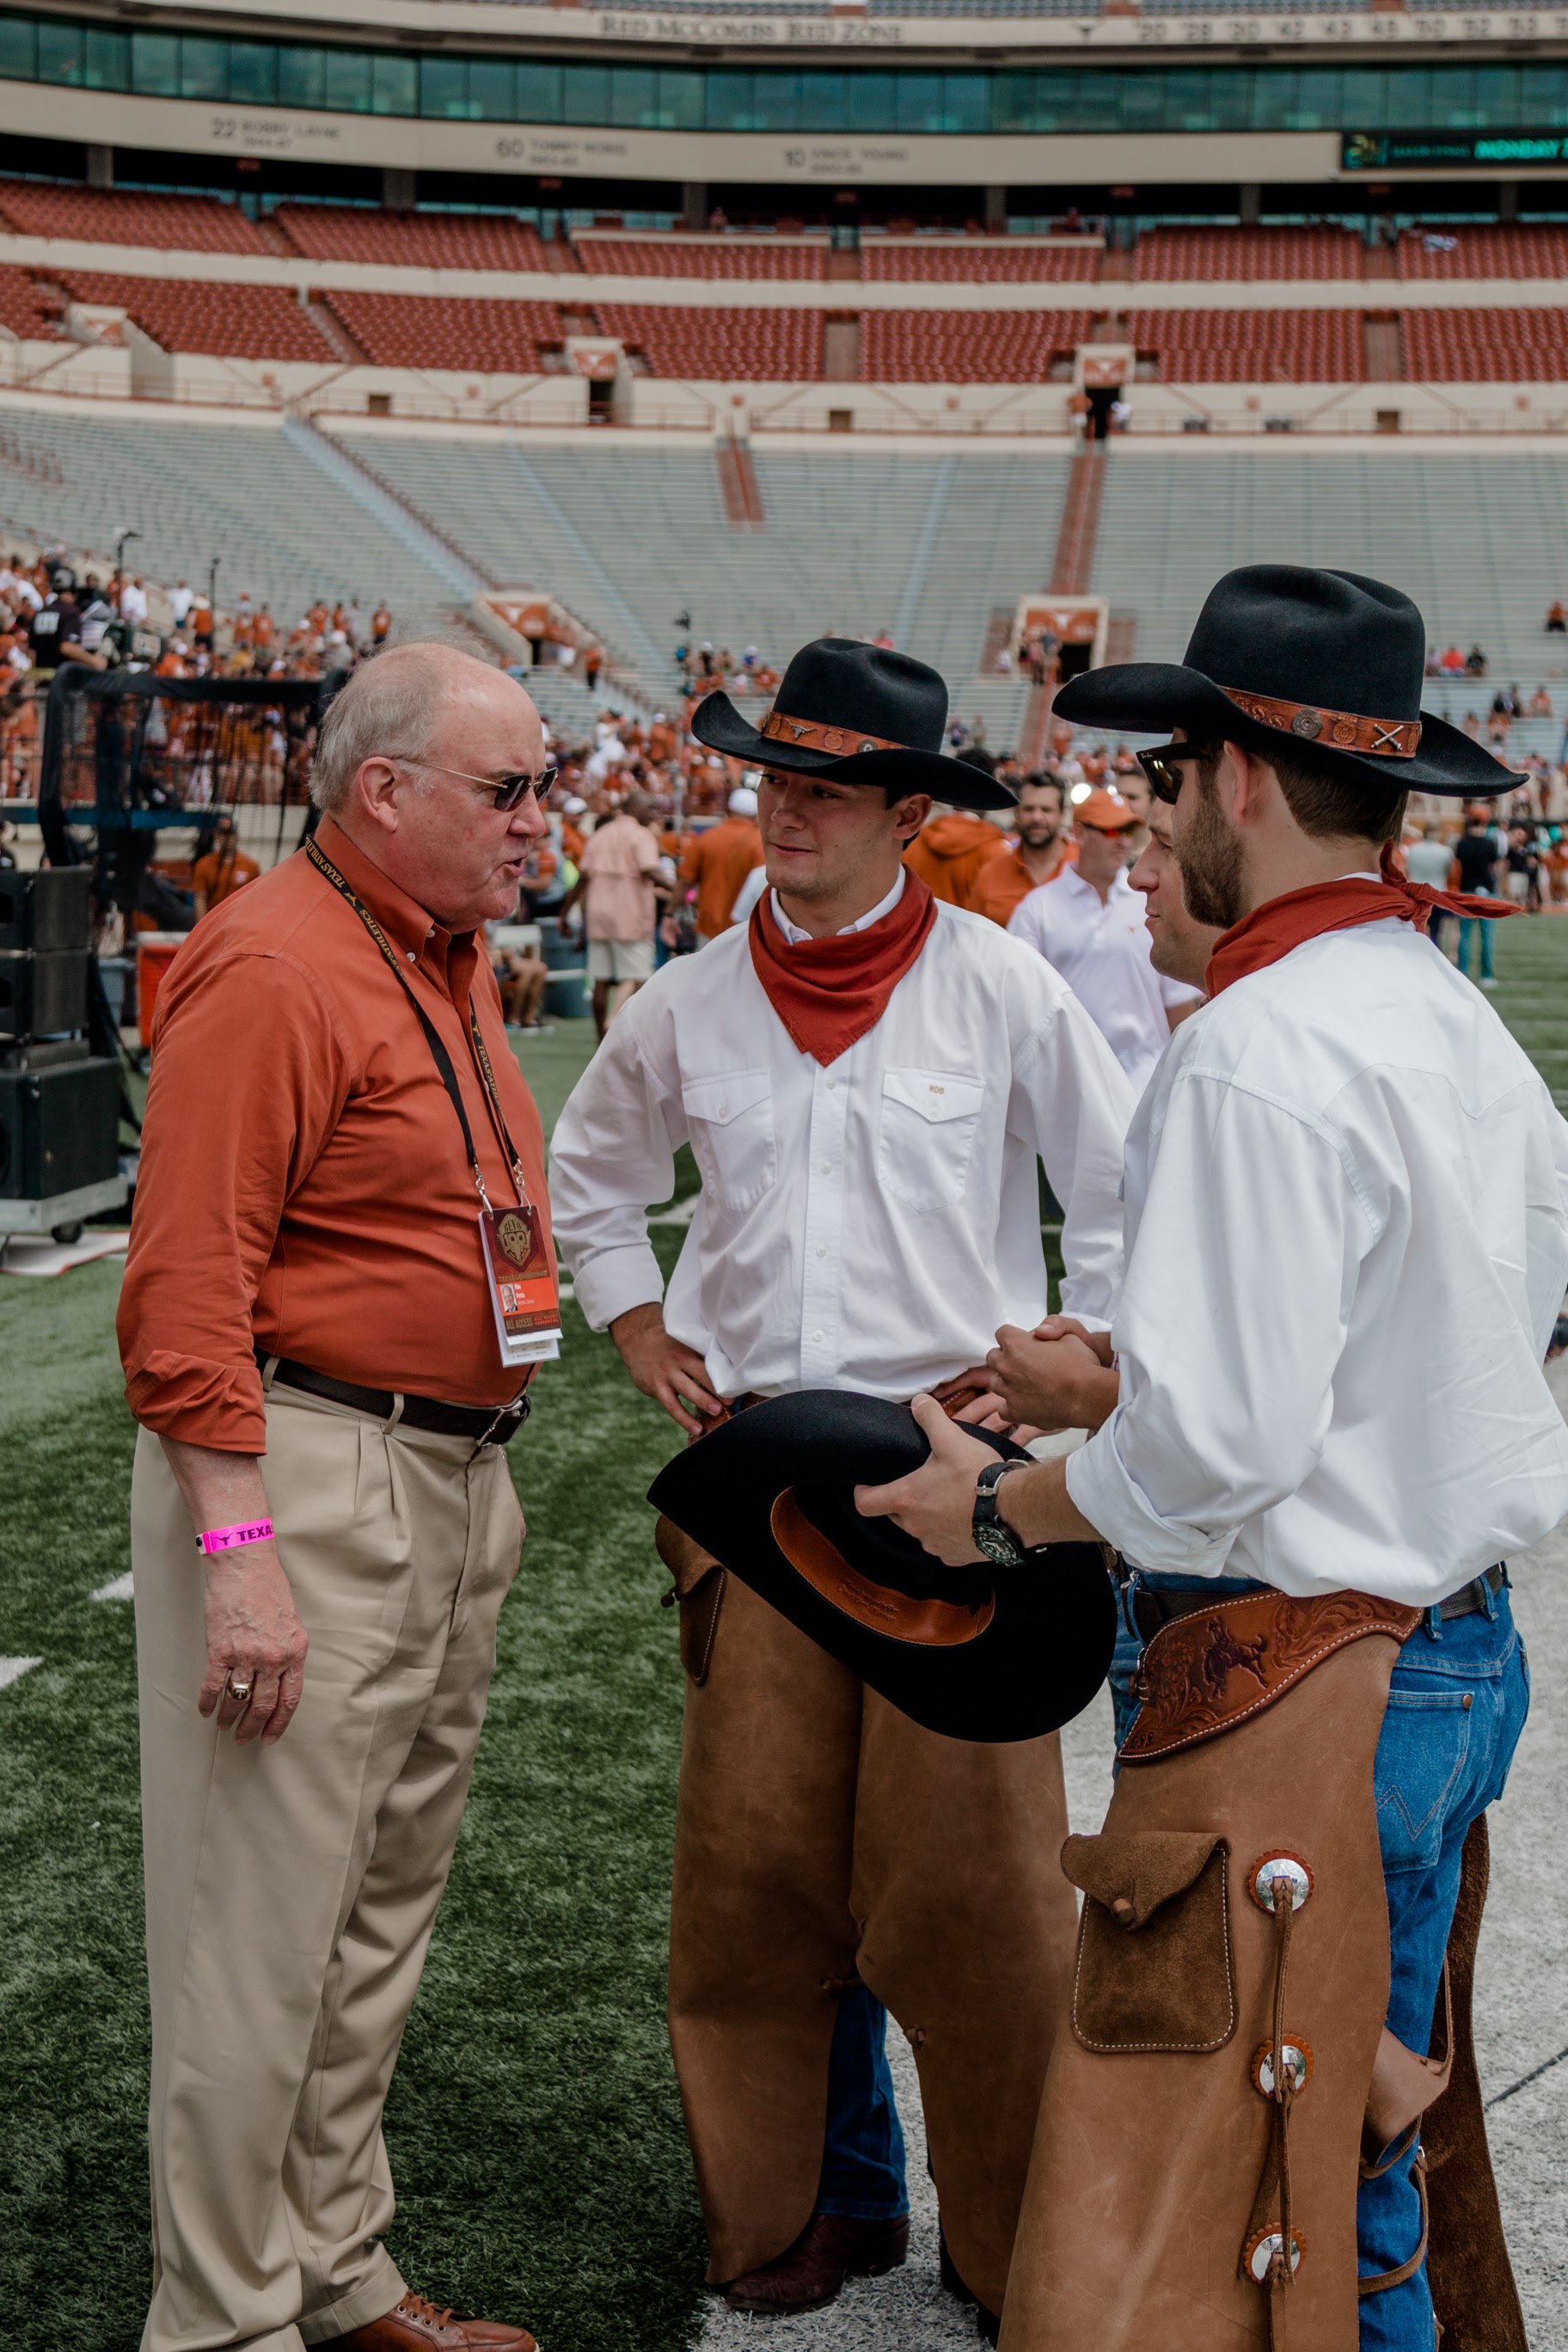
533 2127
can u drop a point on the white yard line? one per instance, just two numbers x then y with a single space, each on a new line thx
121 1589
13 1669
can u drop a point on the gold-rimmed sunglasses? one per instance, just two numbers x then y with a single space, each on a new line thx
1164 766
509 789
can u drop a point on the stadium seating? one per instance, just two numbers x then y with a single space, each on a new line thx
1199 256
1539 250
1251 346
447 331
1491 346
978 261
127 217
966 346
186 314
701 257
26 309
763 346
1478 540
429 240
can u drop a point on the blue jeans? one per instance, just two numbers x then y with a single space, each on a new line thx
863 2147
1456 1705
1486 926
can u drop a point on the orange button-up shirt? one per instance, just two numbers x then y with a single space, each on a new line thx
304 1183
718 863
1003 883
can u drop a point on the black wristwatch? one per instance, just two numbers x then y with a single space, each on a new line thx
993 1538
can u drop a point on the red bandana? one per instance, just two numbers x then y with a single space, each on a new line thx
828 992
1272 929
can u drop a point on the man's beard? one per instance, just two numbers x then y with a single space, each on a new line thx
1036 839
1209 855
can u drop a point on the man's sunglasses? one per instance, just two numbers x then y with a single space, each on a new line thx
1164 766
507 790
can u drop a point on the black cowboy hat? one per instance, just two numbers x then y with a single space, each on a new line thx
860 714
980 1652
1326 663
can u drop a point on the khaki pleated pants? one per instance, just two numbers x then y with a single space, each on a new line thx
291 1890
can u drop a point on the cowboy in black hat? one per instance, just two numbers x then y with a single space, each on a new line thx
868 1081
1347 1232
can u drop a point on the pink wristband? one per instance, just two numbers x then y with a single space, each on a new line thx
230 1538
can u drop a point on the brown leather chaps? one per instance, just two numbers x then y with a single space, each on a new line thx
1168 2174
821 1836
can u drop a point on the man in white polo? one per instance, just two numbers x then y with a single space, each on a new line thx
1089 923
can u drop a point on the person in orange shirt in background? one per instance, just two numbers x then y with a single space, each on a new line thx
223 869
718 861
1039 854
949 851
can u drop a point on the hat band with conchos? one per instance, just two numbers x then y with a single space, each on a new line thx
932 1624
816 735
1343 730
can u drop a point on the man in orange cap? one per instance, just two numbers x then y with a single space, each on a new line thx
1089 923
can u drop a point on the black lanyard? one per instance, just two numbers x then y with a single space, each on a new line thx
443 1060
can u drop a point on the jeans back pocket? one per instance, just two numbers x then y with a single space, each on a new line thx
1420 1758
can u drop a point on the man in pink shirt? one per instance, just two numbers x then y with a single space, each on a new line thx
617 881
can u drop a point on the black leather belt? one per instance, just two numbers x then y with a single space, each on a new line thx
1151 1609
486 1425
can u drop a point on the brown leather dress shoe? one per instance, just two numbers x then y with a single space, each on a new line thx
420 2327
831 2248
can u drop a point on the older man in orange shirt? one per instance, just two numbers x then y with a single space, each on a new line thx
322 1523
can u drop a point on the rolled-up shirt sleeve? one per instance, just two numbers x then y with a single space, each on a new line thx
249 1075
1230 1330
611 1157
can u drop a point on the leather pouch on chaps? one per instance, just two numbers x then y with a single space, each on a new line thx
1175 2198
1154 1968
697 1590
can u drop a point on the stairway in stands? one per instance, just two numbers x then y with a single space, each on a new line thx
1072 571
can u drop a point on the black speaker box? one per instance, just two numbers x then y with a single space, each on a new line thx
42 995
58 1128
50 909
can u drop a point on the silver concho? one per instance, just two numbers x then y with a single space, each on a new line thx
1307 722
1288 1867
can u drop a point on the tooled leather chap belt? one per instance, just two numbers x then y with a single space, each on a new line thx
1151 1609
486 1424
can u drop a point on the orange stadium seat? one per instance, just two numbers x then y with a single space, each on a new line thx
1251 346
447 331
1538 251
978 261
425 240
1501 346
696 256
124 217
761 346
236 322
966 346
1199 256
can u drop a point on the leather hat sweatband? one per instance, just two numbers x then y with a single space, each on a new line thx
1336 730
816 735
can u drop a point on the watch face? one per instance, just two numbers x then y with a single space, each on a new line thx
997 1546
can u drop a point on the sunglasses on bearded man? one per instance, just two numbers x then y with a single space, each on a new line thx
1164 766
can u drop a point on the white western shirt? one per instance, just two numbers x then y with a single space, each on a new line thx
864 1226
1347 1237
1101 950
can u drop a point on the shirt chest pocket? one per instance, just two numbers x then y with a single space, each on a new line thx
731 1122
930 1121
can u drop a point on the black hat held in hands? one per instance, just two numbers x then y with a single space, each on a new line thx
1326 665
860 714
980 1652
